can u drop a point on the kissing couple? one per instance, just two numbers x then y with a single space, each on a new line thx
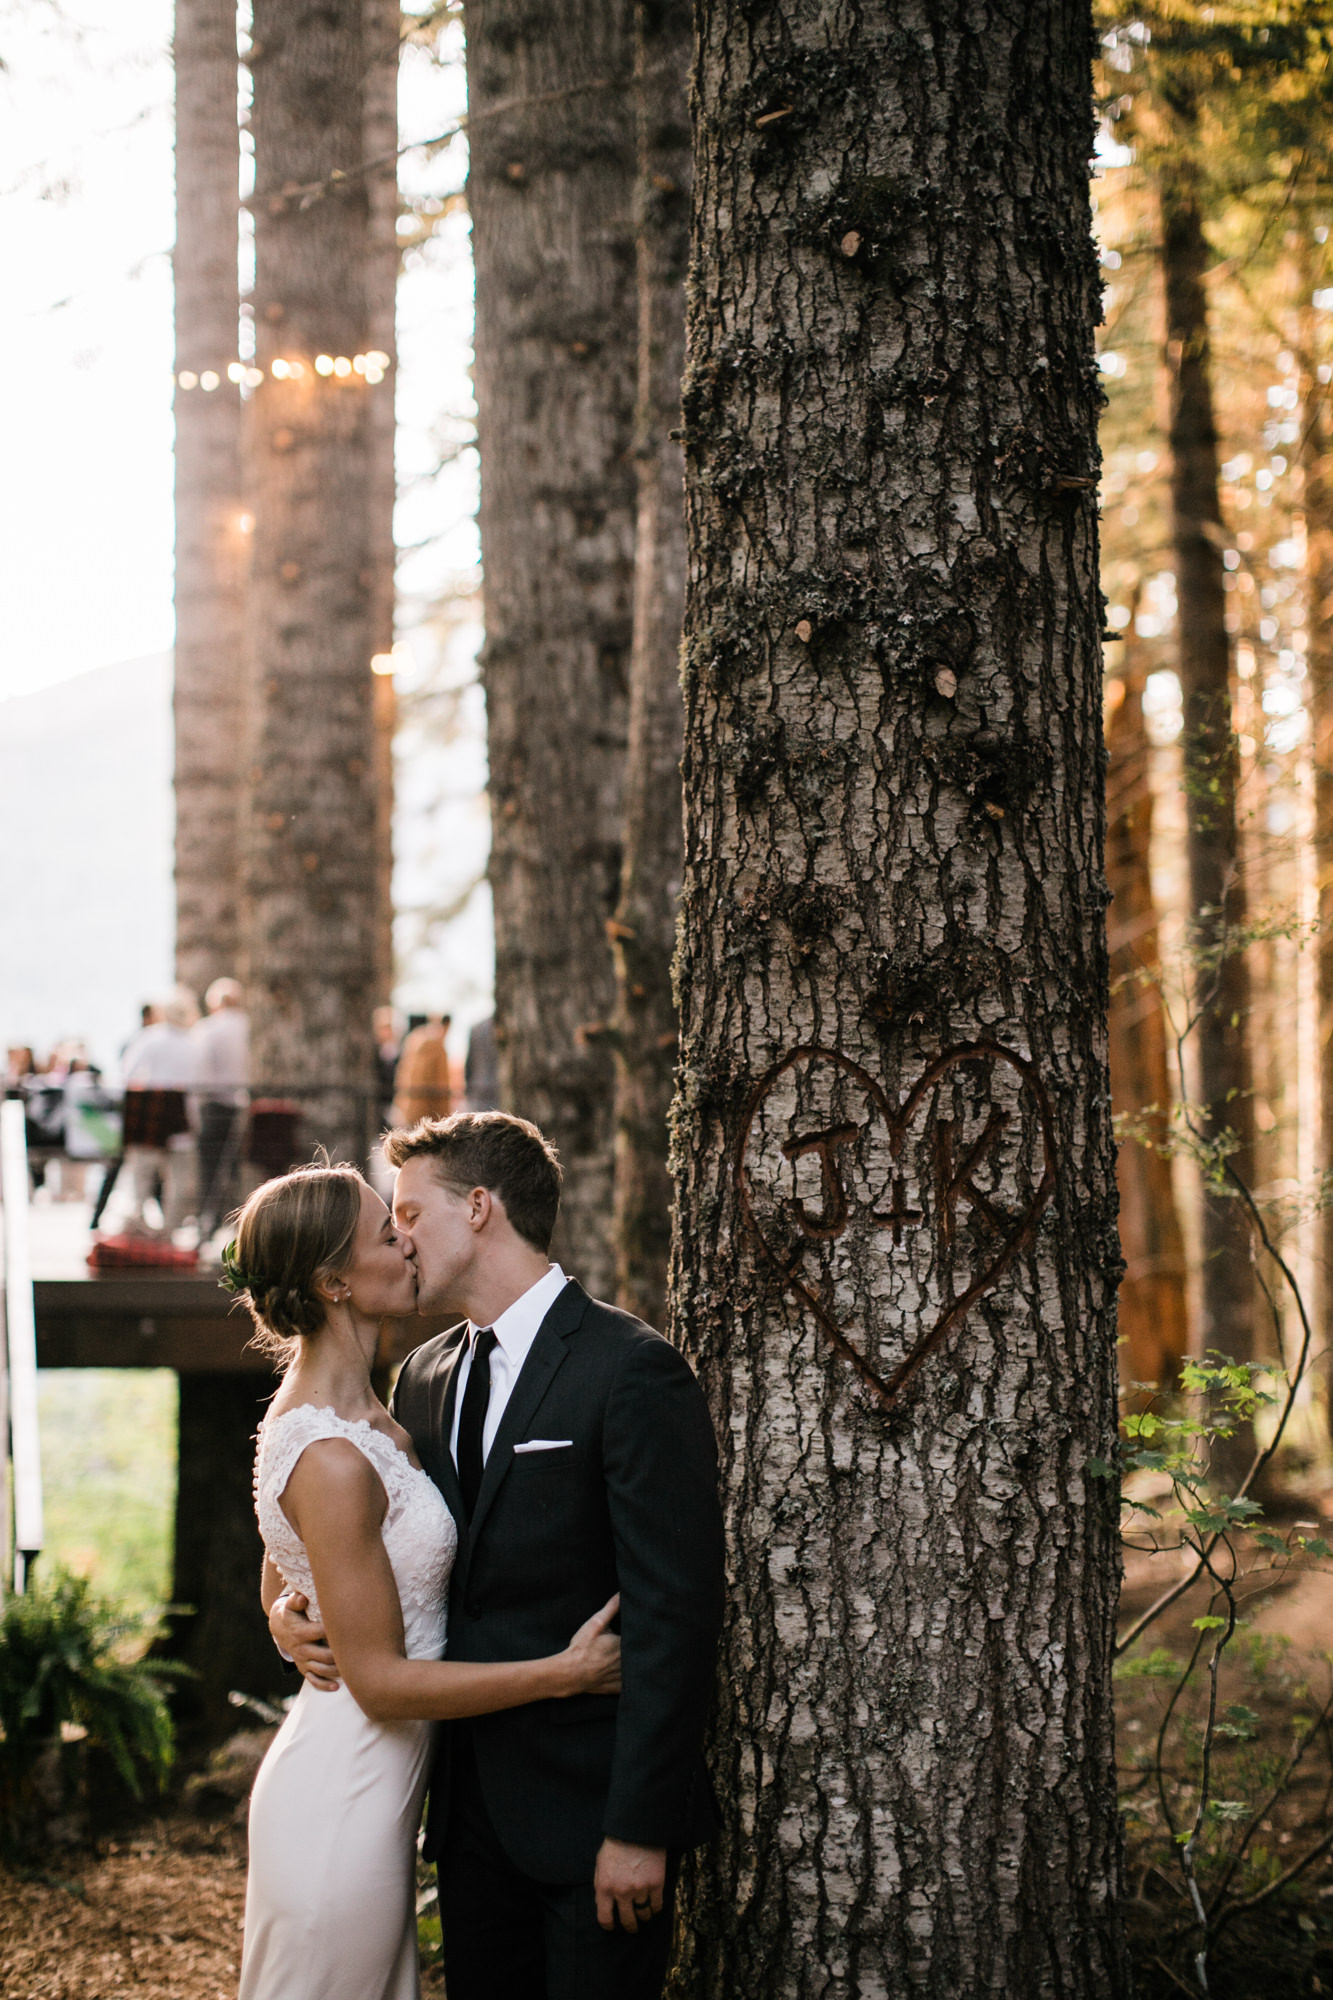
504 1589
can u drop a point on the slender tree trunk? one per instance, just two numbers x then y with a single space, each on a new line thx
551 193
380 139
1317 496
896 1249
645 921
318 455
1212 770
1153 1316
211 544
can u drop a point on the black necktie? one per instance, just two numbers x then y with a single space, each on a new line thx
472 1420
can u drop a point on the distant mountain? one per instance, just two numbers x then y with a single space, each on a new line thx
86 829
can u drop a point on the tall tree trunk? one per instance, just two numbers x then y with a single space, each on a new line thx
1153 1314
551 192
211 543
318 460
1317 497
1212 771
896 1251
645 921
379 137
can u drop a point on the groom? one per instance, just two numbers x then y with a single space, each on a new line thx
575 1452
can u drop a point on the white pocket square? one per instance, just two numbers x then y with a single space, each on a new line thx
545 1444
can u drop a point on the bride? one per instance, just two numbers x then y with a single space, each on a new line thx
350 1519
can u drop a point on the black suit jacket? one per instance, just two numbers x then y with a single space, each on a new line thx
631 1504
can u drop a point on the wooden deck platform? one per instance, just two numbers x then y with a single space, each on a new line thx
152 1319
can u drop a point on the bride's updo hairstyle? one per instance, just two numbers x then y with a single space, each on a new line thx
290 1233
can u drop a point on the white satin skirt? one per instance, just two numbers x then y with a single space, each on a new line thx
330 1900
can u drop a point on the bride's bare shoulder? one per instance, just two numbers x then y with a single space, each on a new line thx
334 1482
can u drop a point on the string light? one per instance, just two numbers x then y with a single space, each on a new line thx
371 367
388 663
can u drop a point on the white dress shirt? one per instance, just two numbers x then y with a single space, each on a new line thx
222 1055
515 1331
161 1058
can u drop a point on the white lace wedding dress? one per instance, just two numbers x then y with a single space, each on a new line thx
330 1906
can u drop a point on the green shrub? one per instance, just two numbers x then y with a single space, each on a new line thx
63 1672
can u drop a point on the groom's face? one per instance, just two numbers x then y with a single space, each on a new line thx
444 1242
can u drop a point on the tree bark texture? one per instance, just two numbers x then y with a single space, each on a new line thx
319 471
645 923
1317 495
219 1629
211 544
1152 1305
1212 774
551 186
896 1249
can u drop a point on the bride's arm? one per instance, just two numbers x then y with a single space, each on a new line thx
336 1503
271 1584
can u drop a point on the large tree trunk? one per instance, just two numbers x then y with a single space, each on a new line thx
319 465
1153 1313
211 543
897 1255
551 192
645 923
1212 770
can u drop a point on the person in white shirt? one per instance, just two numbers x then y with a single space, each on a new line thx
222 1074
158 1072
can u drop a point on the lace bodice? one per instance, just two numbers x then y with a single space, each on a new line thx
420 1538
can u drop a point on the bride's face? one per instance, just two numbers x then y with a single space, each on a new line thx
381 1278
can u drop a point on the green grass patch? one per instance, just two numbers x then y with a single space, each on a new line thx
109 1479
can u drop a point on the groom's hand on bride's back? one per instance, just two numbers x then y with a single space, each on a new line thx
304 1642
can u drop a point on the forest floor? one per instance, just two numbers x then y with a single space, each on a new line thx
1271 1780
156 1912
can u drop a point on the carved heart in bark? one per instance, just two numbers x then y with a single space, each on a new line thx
958 1174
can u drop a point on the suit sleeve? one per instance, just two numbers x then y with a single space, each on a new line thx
660 1460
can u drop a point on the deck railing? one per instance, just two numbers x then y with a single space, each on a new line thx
19 1392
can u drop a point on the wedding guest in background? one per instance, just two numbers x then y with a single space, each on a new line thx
421 1086
148 1013
481 1079
159 1074
222 1075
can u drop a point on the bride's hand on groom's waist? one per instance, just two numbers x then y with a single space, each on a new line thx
304 1642
593 1654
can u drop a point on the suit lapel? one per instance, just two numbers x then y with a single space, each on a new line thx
545 1357
443 1395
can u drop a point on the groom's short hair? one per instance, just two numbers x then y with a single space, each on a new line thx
494 1150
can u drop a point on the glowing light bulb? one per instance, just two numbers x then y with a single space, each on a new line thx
187 379
253 377
236 371
323 364
382 663
342 366
296 369
374 374
359 363
279 371
377 358
246 523
209 379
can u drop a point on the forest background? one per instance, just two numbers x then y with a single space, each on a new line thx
1211 193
